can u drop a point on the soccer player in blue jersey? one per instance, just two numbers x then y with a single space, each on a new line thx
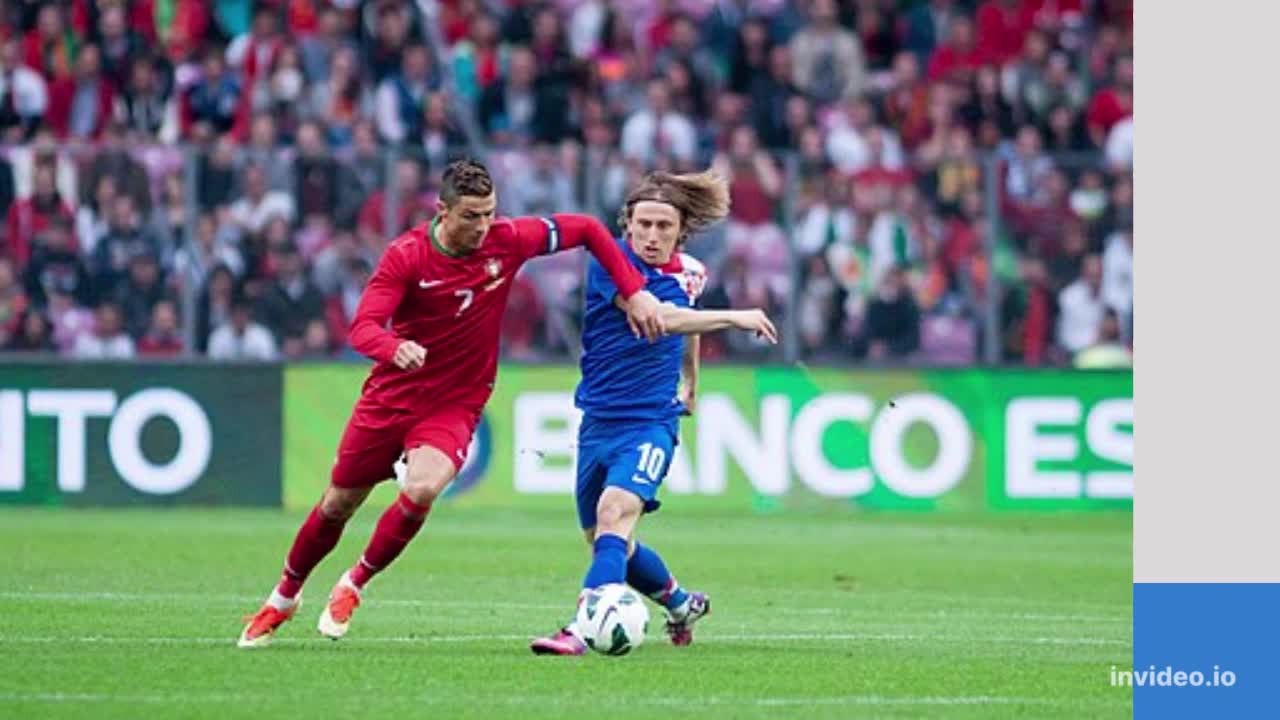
632 397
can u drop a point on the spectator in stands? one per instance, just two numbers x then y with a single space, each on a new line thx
578 98
1027 166
1081 305
1108 351
1117 274
120 45
163 338
1119 145
522 319
755 186
192 263
314 345
80 104
402 97
24 95
441 137
210 105
112 157
56 263
392 33
139 293
959 56
656 131
511 107
266 150
239 338
926 24
893 319
542 187
31 216
341 99
816 307
108 340
315 173
320 49
1027 311
13 301
371 229
259 206
828 63
359 175
144 105
214 309
33 335
340 307
1112 104
292 301
50 46
125 239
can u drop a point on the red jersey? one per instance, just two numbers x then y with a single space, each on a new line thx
452 305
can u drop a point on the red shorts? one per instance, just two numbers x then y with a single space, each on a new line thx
375 437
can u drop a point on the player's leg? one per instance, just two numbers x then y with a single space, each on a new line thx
647 573
617 513
365 457
640 468
590 484
436 448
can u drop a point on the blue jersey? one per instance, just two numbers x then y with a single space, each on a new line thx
625 377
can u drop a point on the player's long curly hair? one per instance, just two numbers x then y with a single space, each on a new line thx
702 199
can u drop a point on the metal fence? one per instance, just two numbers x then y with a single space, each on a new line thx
963 264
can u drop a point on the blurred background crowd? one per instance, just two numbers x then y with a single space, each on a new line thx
931 182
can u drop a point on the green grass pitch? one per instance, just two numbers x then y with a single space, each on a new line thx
817 613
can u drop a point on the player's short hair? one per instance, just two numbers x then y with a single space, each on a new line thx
702 199
465 177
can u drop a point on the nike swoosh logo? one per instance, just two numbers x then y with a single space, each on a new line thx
424 284
493 285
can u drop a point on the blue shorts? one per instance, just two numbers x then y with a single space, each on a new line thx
628 454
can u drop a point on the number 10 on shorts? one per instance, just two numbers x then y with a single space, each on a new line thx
651 460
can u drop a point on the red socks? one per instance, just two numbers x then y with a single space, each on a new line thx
396 528
316 538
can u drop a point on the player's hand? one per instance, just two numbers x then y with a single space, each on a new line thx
644 317
757 322
410 355
688 396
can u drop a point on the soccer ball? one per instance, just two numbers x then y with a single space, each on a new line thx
613 619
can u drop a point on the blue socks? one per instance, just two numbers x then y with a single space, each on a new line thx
609 564
647 573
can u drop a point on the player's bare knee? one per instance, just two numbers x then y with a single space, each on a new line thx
614 517
428 474
423 489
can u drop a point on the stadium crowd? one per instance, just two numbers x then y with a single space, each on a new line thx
252 159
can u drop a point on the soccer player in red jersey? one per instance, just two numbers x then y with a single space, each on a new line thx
442 287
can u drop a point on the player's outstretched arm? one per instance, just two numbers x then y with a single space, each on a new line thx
686 321
642 310
369 335
689 372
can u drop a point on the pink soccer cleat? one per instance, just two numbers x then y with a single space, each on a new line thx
562 643
681 631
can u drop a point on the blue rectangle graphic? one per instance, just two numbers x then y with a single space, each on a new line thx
1205 650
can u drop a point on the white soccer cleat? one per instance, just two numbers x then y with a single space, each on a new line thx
336 617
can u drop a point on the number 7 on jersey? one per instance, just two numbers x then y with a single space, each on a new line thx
467 296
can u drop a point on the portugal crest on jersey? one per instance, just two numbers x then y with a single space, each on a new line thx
493 267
